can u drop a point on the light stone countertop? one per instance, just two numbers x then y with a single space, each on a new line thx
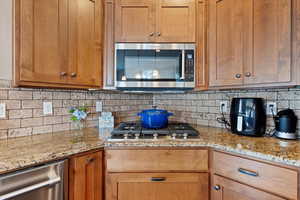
27 151
32 150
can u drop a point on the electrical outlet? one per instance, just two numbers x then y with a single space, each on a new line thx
99 106
2 110
223 106
271 108
47 108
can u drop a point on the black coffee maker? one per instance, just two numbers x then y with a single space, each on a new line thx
248 116
286 124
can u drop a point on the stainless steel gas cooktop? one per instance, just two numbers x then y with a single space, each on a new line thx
134 130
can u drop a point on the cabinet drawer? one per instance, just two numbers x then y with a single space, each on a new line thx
156 160
277 180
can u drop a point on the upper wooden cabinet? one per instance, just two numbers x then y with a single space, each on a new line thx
58 43
85 42
86 176
155 20
251 42
201 39
41 41
135 20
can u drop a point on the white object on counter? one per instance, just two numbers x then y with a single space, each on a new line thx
106 120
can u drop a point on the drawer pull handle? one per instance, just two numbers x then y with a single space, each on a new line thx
248 172
158 179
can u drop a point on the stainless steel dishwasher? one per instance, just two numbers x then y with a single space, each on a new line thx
44 182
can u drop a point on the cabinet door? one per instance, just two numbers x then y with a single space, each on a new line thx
272 42
226 189
201 33
109 47
228 31
86 177
135 20
175 21
85 25
166 186
41 41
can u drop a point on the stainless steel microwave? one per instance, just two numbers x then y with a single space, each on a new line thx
154 66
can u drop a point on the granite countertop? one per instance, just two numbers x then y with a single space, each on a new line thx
266 148
22 152
27 151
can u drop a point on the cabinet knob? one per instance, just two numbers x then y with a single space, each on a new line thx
63 73
73 74
238 75
217 187
151 34
248 74
158 34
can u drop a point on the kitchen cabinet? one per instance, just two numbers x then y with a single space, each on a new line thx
226 189
236 177
153 174
135 20
109 45
58 43
149 186
85 44
251 43
85 177
155 21
201 39
41 41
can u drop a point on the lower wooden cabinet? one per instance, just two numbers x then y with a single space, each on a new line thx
85 177
157 186
226 189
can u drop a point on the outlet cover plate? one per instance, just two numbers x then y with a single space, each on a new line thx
225 107
269 110
2 110
47 108
99 106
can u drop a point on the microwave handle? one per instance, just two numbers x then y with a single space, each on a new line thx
183 65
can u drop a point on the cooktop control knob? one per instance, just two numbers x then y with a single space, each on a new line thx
174 136
185 136
137 135
155 136
126 136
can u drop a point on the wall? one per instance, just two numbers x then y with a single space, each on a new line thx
5 41
25 117
203 107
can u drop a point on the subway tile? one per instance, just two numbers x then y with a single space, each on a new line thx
3 94
19 132
40 95
41 129
20 94
20 114
32 122
8 124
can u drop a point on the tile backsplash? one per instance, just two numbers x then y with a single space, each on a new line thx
25 114
25 117
204 107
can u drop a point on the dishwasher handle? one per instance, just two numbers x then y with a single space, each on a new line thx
48 183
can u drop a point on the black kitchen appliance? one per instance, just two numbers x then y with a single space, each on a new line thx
286 124
248 116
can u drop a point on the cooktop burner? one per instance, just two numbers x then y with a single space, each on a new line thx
134 130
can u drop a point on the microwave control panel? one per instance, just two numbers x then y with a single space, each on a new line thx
189 69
